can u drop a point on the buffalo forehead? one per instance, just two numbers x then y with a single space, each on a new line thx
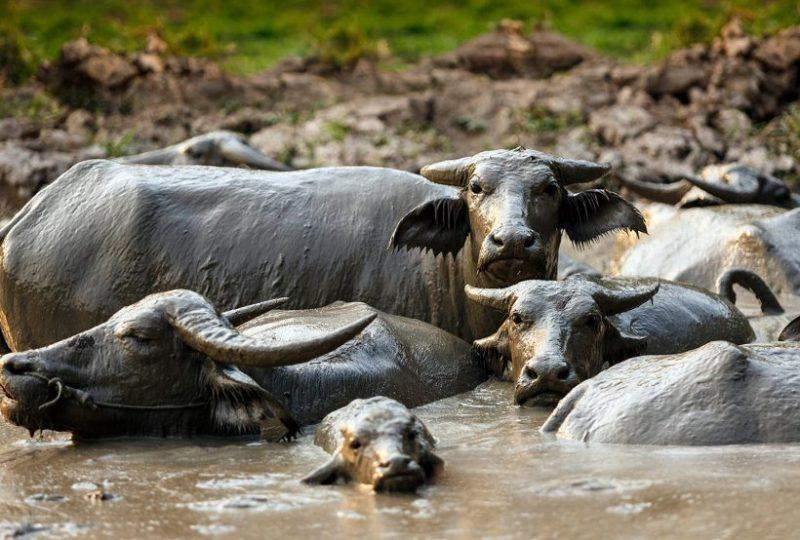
516 169
553 298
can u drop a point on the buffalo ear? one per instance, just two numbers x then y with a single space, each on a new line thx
592 213
494 351
241 405
791 332
440 225
619 346
329 473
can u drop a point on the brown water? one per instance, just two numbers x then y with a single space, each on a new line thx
503 479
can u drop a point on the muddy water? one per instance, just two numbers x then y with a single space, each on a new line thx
502 480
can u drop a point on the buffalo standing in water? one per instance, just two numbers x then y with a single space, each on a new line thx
104 235
171 365
559 333
718 394
379 442
220 148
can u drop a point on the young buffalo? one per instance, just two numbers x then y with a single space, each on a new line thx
376 441
559 333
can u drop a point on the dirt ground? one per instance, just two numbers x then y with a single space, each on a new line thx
732 100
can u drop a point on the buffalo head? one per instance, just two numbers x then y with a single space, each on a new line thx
165 366
378 442
732 183
559 333
220 148
512 208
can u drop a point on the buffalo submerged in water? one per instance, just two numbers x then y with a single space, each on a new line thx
104 235
171 365
559 333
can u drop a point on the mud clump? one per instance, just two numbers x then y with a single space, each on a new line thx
93 77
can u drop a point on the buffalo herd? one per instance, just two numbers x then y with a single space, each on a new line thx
134 301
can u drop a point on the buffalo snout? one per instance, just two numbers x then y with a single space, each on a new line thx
514 238
544 380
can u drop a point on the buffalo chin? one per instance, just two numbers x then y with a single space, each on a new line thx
404 482
511 271
545 398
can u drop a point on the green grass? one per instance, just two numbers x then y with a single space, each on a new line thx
253 35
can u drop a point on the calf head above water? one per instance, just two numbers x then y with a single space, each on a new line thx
512 208
165 366
558 333
376 441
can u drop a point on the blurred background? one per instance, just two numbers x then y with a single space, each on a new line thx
661 90
249 35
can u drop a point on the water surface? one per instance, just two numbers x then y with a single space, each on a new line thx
502 479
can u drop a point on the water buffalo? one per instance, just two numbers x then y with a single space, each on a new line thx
171 365
702 243
104 235
376 441
718 394
221 148
559 333
732 183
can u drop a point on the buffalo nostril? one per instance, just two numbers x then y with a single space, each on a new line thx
17 365
496 240
395 462
530 373
563 372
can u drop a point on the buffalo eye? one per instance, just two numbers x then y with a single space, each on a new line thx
593 321
516 318
551 190
475 188
355 444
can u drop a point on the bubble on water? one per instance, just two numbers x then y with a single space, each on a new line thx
44 498
629 508
213 529
85 486
257 481
261 502
588 486
23 530
349 514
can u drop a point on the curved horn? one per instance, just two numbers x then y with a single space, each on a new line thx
791 332
743 189
162 156
670 193
453 172
247 313
499 299
578 171
202 329
614 301
239 152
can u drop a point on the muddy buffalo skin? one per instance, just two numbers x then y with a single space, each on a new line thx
559 333
376 441
170 365
220 148
731 183
696 245
718 394
104 235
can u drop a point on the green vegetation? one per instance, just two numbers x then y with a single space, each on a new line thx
29 105
541 120
251 35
